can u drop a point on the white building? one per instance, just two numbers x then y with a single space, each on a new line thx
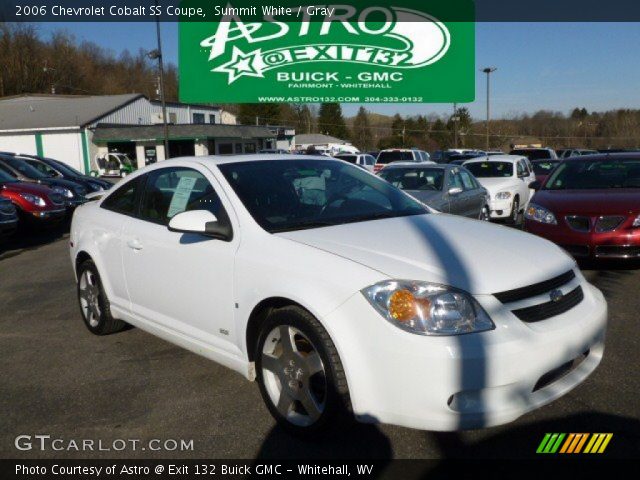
76 129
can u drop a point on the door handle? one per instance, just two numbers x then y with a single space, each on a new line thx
134 244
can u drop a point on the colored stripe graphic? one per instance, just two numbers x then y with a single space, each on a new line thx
574 443
550 443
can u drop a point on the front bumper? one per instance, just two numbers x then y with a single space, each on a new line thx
46 216
619 244
467 381
501 208
8 226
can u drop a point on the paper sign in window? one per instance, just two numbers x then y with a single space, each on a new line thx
181 196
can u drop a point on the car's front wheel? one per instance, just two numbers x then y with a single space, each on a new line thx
515 212
300 374
94 305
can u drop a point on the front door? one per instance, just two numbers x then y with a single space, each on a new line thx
182 282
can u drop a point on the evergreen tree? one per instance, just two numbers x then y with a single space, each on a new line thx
362 137
331 122
266 113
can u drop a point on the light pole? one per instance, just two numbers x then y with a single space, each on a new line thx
488 71
455 119
153 55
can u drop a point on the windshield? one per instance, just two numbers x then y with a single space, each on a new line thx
6 178
25 169
532 153
595 174
414 178
394 156
65 169
544 167
490 169
285 195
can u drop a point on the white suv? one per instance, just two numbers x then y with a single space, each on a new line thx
385 157
507 178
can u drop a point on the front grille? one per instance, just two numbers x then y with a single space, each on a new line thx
550 309
557 373
56 199
608 223
617 251
579 223
517 294
577 250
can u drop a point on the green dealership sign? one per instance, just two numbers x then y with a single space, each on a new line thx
363 52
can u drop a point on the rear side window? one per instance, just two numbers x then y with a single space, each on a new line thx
171 191
467 180
124 199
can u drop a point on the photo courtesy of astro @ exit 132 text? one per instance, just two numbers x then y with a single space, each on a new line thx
385 240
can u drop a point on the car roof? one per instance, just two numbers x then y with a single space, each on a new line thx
415 165
254 157
604 156
496 158
400 150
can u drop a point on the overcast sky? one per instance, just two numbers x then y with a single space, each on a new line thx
554 66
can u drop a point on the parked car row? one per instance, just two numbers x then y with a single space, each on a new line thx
38 192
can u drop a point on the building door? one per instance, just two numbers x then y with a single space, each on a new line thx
182 148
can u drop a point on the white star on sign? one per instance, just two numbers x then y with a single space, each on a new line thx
241 65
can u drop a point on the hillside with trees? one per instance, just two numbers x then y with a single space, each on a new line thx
62 65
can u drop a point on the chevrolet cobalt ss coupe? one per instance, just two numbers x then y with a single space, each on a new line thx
337 292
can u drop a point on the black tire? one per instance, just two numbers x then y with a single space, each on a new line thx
515 212
105 324
337 405
485 214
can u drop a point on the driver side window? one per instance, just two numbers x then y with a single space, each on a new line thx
521 169
170 191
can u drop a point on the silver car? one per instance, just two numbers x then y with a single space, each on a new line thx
447 188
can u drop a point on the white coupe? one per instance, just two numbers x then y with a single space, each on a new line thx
337 292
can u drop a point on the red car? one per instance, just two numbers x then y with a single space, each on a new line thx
36 204
590 206
542 168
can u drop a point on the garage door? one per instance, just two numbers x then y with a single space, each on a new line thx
18 143
66 147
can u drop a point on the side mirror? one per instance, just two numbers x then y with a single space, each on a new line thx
202 222
535 185
455 191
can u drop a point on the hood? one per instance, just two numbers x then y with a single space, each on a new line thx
495 185
432 198
590 202
27 187
59 182
475 256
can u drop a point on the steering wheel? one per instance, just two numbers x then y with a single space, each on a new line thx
331 201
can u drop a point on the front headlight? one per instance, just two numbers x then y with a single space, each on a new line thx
65 192
427 308
540 214
636 222
503 195
36 200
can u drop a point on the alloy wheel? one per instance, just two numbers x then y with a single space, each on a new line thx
294 375
89 298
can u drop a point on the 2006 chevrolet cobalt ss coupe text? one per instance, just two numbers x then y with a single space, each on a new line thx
338 292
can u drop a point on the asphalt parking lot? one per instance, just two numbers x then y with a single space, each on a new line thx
60 380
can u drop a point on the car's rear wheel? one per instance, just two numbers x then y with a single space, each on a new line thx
301 378
94 305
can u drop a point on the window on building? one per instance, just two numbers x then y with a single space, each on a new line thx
212 118
249 148
225 149
198 118
238 148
